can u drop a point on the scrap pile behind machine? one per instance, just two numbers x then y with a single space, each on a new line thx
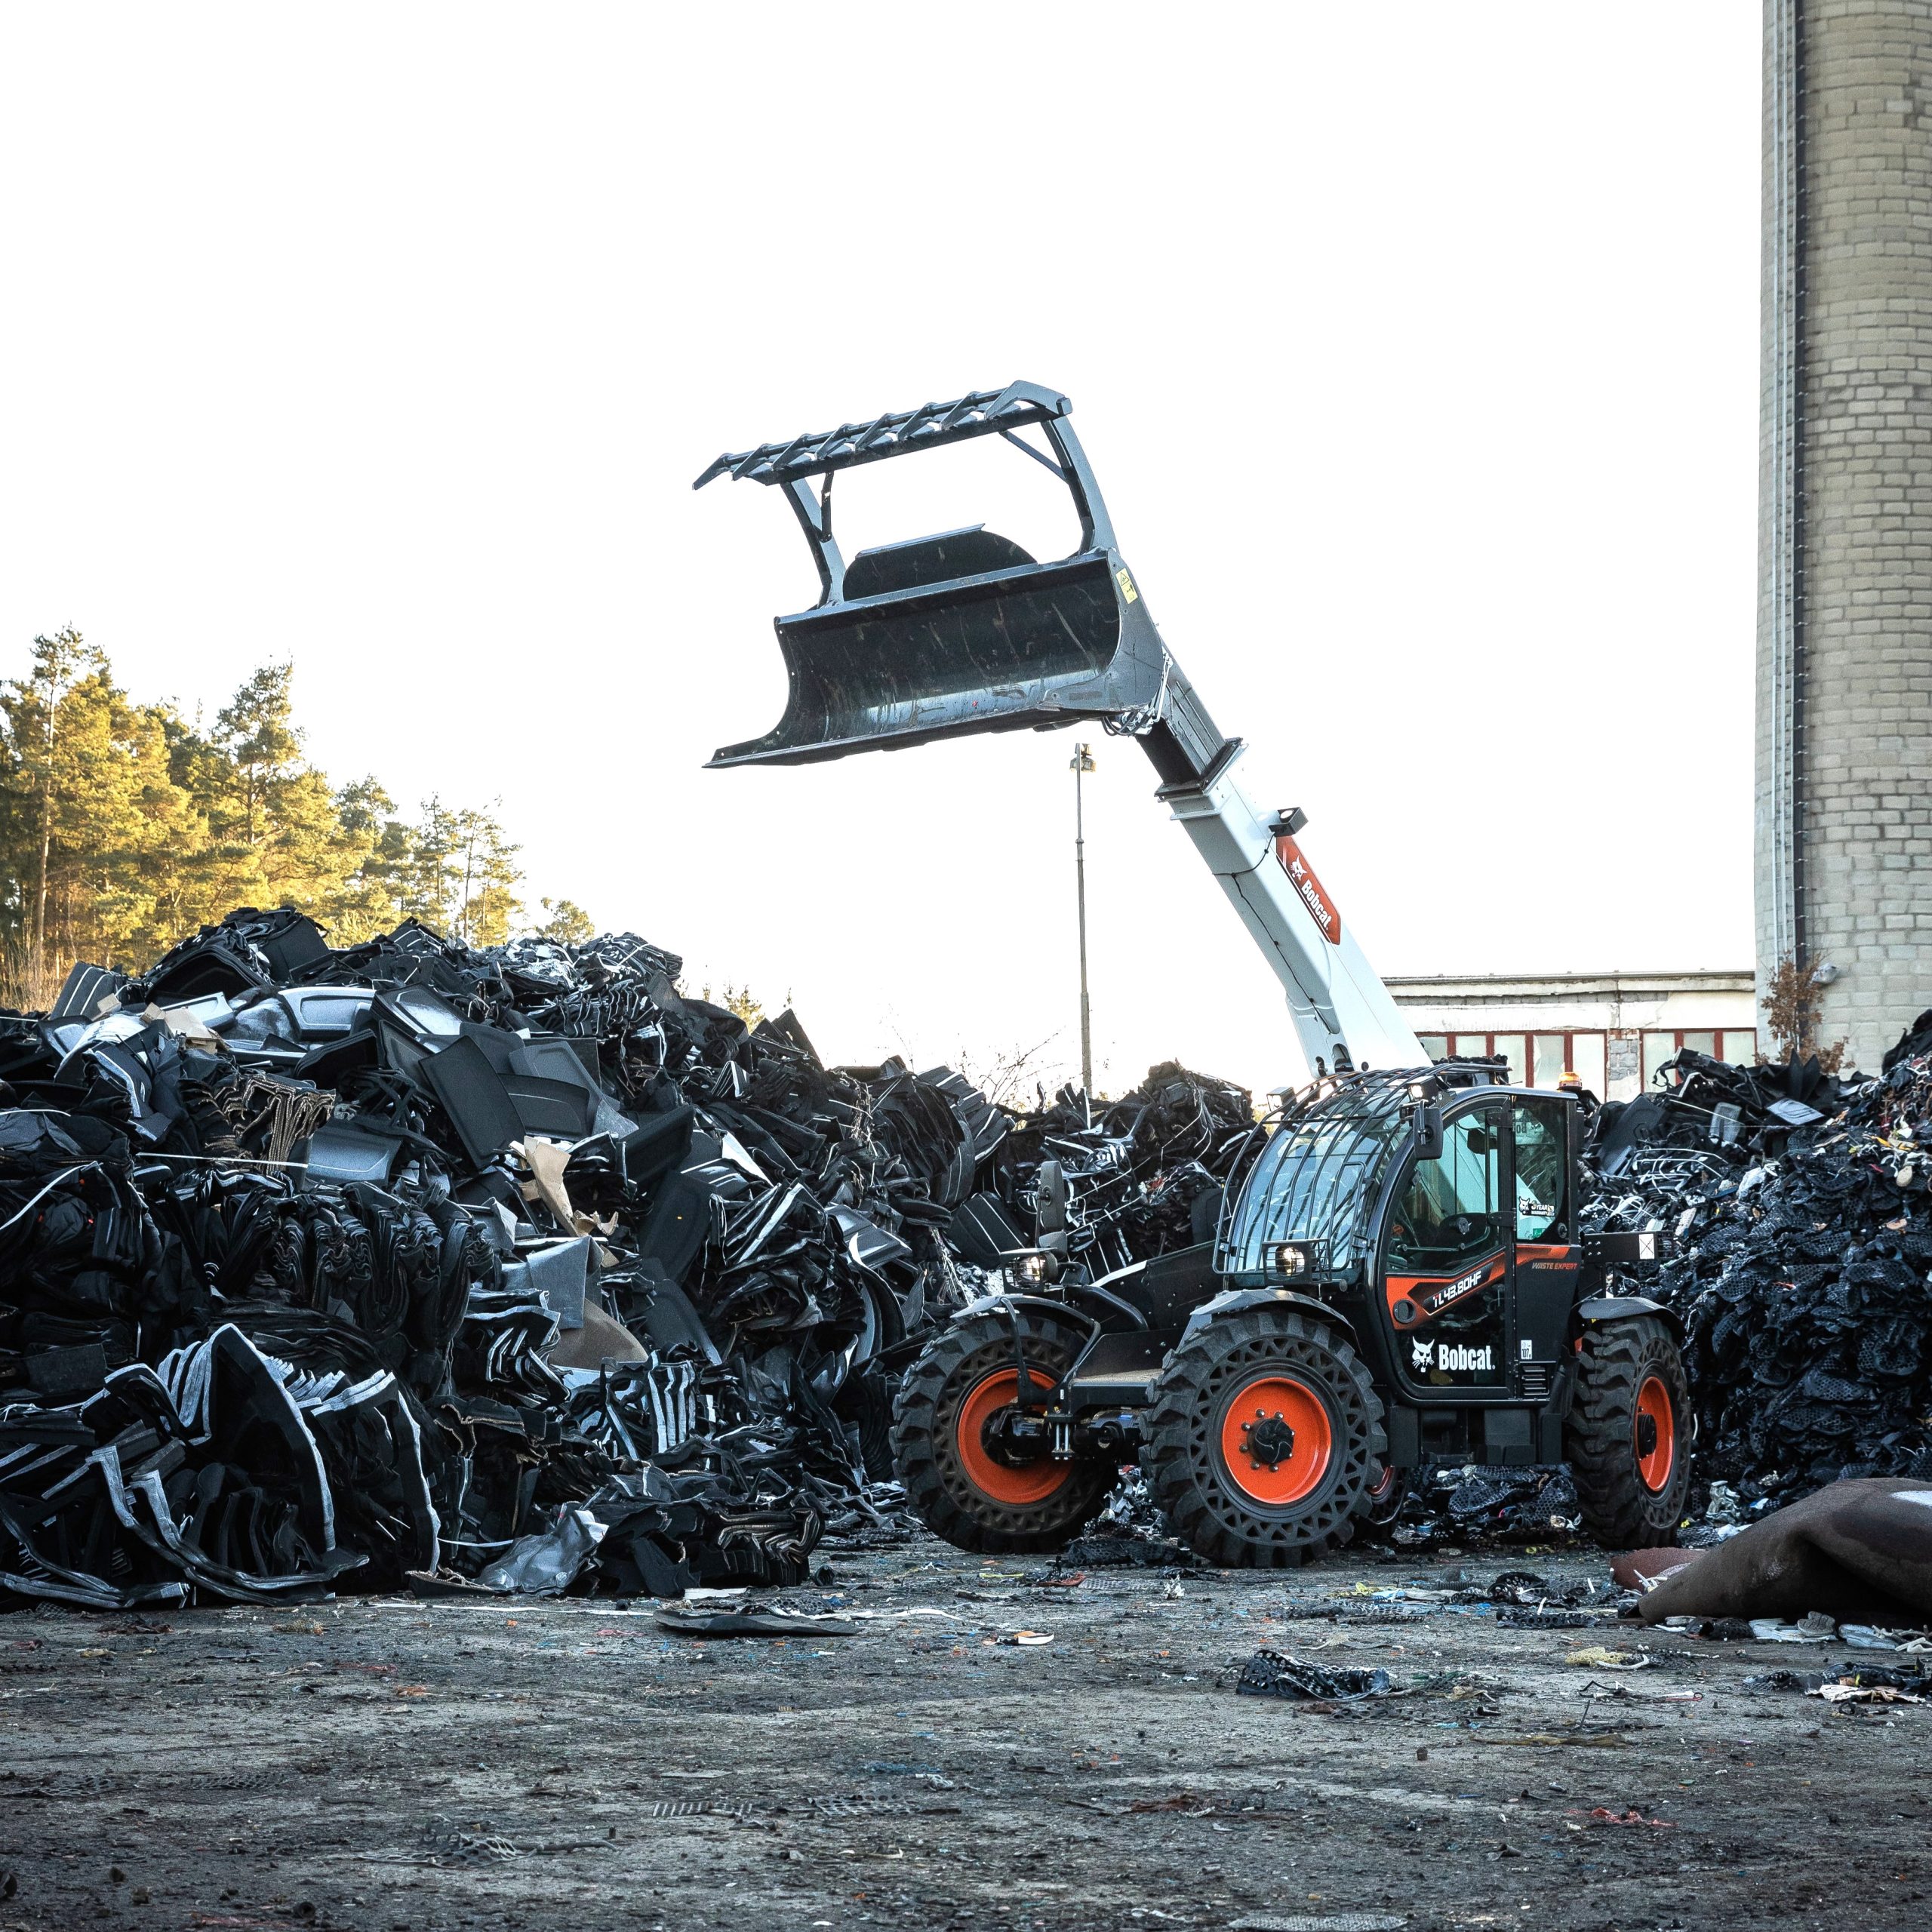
1131 1179
410 1258
489 1269
1798 1209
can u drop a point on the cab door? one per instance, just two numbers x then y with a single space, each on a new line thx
1549 1256
1446 1259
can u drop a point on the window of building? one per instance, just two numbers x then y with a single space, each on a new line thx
1547 1061
1589 1060
1737 1044
1535 1059
1513 1048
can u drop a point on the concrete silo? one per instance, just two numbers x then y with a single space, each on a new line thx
1844 801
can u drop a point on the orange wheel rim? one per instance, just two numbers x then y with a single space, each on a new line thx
1276 1439
1653 1401
1033 1483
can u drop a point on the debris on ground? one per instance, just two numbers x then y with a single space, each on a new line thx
1604 1814
1911 1685
700 1623
1271 1674
1849 1691
1479 1504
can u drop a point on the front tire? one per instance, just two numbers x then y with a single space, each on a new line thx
1628 1438
1265 1440
956 1487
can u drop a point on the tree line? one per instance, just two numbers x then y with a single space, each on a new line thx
124 826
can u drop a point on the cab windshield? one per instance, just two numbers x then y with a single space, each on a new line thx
1318 1180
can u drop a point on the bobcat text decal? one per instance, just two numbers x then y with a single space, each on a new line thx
1305 883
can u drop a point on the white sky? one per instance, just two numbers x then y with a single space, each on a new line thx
1414 346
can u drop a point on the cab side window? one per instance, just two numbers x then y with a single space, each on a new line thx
1450 1214
1542 1169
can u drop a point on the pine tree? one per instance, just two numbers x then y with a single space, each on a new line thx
371 899
93 823
486 900
35 709
256 731
566 922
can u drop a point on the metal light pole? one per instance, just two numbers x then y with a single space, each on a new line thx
1081 764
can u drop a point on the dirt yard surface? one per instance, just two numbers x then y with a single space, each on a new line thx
381 1764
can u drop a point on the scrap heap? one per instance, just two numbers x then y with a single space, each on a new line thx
1800 1217
1140 1176
415 1264
414 1260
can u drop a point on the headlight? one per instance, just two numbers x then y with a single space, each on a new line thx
1297 1260
1032 1267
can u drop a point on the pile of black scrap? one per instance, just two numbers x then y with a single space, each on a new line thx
1797 1207
1125 1180
1693 1138
480 1270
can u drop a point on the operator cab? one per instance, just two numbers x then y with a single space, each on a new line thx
1442 1228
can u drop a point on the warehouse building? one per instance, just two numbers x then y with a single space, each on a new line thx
1613 1030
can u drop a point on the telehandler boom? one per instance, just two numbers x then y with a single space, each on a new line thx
882 661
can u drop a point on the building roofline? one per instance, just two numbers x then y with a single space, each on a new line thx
1530 986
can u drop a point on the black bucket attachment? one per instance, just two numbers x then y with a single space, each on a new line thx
958 633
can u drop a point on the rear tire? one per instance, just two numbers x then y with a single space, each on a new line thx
1322 1423
1631 1391
955 1488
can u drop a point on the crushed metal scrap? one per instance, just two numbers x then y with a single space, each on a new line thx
411 1264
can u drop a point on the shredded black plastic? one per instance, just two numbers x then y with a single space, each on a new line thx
1270 1674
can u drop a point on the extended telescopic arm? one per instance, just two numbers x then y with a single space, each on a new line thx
964 632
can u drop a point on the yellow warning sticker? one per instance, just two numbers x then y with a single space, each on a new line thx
1126 583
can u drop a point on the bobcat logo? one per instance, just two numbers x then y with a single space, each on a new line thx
1453 1359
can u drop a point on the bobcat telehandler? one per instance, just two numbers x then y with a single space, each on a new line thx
1396 1278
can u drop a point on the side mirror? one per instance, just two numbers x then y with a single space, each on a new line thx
1049 1198
1428 1132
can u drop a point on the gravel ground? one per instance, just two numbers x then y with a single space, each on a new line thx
379 1763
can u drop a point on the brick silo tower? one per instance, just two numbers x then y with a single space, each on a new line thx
1844 799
